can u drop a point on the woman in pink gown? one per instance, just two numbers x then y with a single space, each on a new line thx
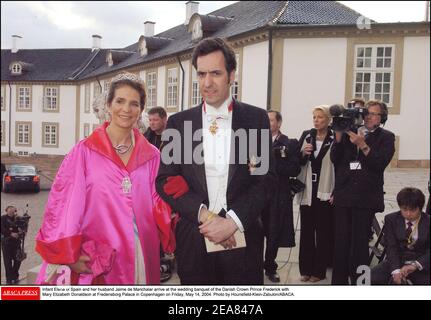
100 219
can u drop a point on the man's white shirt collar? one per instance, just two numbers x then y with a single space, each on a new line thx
223 110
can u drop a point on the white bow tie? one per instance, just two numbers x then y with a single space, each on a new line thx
220 116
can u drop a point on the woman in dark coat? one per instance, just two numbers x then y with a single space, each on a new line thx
317 172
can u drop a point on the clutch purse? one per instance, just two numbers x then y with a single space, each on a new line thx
296 185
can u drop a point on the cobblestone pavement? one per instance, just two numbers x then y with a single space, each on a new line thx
287 259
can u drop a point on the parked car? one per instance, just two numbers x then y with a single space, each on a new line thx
21 177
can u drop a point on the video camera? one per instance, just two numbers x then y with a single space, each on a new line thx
347 118
21 223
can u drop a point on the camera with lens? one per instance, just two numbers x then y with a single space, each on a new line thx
21 224
347 118
280 152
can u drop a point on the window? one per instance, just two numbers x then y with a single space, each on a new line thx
16 68
87 98
142 47
50 134
23 134
172 96
196 94
97 90
152 89
86 130
24 98
51 99
3 133
374 72
234 89
197 30
3 98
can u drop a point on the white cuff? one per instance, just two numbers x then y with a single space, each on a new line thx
199 212
418 265
235 218
395 271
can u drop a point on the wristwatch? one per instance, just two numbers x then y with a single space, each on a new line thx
412 263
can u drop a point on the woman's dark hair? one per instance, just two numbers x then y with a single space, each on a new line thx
211 45
411 198
138 86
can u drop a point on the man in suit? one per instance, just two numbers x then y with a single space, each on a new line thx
278 218
360 159
221 169
157 119
407 239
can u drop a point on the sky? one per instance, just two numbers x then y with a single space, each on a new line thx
70 24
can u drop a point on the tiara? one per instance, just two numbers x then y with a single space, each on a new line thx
127 76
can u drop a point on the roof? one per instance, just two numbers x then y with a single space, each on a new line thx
241 17
318 13
48 64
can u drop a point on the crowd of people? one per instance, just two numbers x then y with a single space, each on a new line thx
209 184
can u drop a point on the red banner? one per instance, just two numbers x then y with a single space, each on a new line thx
20 293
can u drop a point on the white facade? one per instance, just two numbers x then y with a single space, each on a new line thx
313 74
255 74
64 120
412 125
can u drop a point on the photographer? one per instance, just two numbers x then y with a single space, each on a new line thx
10 244
278 219
360 158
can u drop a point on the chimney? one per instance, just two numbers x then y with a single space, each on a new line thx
97 42
192 7
149 29
15 42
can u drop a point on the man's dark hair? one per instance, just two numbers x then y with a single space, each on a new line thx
158 110
8 208
278 116
210 45
412 198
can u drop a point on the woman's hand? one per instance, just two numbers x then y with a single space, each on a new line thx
80 266
308 149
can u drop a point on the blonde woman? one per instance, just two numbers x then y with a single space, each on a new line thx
317 172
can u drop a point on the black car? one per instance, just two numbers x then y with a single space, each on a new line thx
21 177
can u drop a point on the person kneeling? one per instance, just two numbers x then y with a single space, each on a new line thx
407 238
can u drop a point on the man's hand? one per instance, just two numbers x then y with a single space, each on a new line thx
80 266
14 235
398 278
408 269
218 229
357 139
338 136
229 243
204 214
